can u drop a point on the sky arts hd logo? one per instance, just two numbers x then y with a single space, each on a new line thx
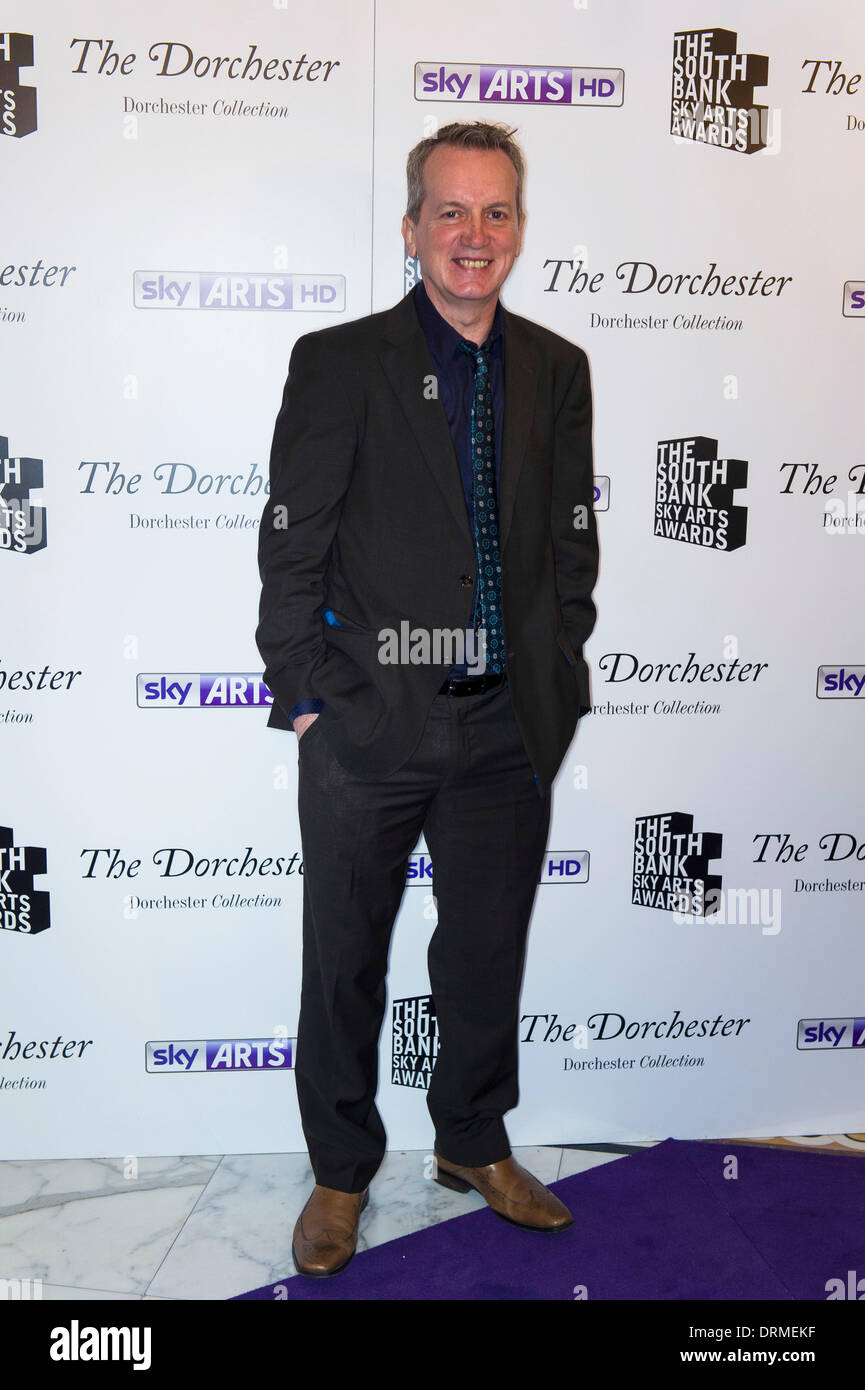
830 1032
22 908
559 866
694 494
22 522
220 1054
713 91
565 866
519 86
227 289
420 871
840 682
17 103
854 299
207 690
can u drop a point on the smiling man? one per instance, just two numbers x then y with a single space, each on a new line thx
431 467
465 234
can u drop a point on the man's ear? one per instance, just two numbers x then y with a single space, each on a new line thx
408 235
521 230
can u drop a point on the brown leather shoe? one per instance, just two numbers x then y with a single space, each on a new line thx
325 1237
511 1191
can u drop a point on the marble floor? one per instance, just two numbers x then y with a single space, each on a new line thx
210 1226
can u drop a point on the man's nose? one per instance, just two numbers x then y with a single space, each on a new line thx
474 231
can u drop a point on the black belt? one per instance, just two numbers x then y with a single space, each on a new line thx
472 685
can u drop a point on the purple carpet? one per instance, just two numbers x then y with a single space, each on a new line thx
663 1223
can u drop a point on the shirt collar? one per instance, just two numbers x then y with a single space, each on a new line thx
443 340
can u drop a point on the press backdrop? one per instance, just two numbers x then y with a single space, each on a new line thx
186 189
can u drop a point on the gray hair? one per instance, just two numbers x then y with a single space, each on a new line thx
464 135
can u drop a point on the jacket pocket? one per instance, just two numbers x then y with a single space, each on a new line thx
339 620
308 731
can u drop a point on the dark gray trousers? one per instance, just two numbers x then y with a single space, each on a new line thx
470 789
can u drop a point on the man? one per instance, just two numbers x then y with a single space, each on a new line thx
431 468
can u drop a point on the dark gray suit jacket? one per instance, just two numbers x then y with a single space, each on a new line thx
367 517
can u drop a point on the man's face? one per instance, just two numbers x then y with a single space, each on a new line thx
467 236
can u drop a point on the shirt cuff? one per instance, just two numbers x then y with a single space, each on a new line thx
305 707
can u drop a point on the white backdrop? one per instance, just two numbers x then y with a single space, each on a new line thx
173 224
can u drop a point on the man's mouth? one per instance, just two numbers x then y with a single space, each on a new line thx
470 264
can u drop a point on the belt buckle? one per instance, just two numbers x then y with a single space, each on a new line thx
472 685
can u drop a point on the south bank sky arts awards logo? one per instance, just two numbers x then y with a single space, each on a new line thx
415 1041
694 494
22 522
17 101
713 99
671 864
23 908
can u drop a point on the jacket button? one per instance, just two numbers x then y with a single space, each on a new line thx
466 581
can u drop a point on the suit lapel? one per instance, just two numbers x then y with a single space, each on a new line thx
521 384
409 368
